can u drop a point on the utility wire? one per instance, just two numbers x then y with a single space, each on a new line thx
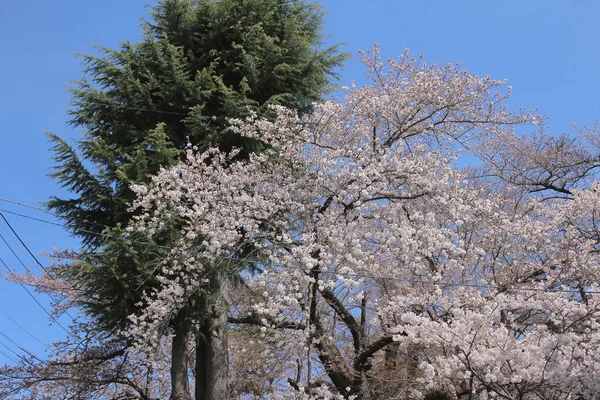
22 243
334 273
15 254
2 210
31 254
30 354
31 96
8 236
36 300
32 218
15 343
24 329
7 356
12 351
26 205
48 212
21 262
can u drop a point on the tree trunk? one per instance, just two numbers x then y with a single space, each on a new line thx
201 363
180 387
212 353
390 360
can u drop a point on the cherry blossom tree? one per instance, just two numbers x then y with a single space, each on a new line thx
89 363
97 365
384 266
92 371
544 164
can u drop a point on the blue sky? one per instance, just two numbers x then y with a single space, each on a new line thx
547 50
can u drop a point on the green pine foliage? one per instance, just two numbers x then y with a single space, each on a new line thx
200 62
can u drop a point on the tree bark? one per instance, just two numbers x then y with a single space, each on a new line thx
212 353
390 358
180 386
201 363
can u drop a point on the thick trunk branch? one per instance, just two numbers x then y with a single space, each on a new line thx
361 360
254 320
348 319
180 386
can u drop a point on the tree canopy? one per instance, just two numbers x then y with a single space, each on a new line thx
200 63
383 266
388 270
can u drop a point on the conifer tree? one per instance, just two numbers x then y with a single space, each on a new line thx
200 62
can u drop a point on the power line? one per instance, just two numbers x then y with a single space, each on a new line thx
36 300
334 273
7 356
26 205
30 354
22 242
24 329
2 210
13 241
30 253
15 343
49 213
32 218
31 96
12 351
14 254
25 266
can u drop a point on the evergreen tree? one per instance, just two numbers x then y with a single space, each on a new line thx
199 63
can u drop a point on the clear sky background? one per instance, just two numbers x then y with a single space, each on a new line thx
548 50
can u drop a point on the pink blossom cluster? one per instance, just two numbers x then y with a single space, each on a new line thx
370 237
